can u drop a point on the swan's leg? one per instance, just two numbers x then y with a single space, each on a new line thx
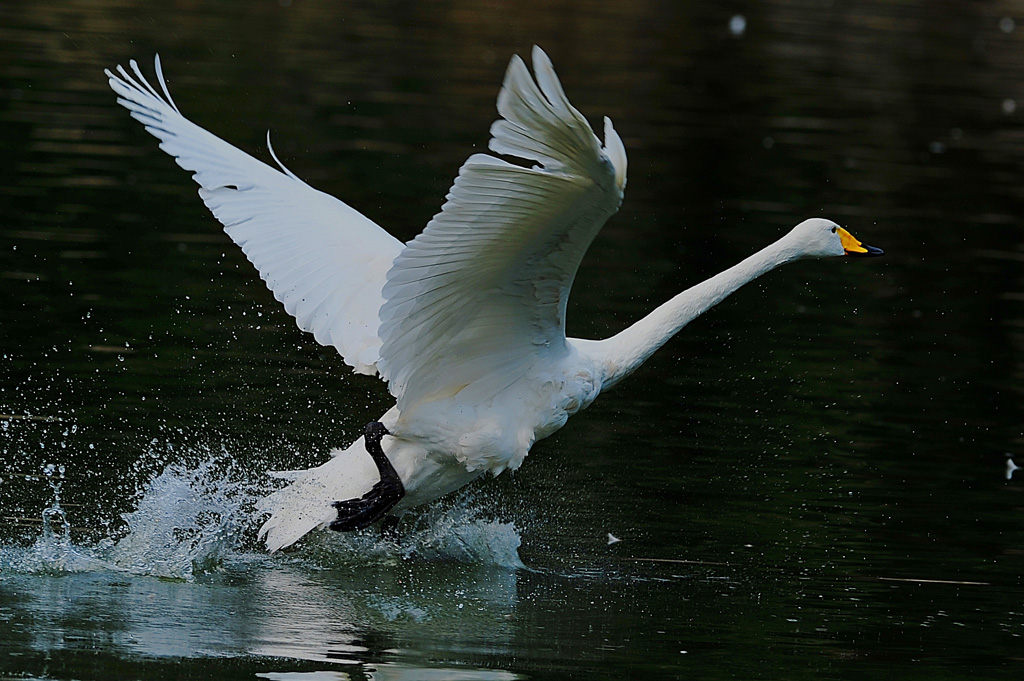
355 514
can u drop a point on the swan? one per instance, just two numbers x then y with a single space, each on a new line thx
465 322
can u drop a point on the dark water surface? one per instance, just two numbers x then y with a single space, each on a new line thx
809 482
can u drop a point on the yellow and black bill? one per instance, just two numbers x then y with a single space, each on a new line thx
856 248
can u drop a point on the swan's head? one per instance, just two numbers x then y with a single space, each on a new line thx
818 237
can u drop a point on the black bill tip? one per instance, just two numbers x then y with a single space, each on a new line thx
869 251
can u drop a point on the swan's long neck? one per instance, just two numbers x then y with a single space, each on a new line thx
624 352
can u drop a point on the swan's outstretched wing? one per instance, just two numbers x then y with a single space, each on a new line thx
483 289
322 259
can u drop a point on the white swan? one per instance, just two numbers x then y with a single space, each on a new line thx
466 322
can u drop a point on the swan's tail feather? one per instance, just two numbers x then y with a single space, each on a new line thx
292 517
306 504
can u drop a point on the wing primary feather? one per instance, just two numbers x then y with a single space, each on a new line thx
142 78
163 83
270 148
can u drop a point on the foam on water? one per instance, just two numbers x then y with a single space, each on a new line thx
192 519
457 531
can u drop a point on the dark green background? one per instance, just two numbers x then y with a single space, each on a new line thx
826 445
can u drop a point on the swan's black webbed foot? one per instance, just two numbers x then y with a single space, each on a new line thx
355 514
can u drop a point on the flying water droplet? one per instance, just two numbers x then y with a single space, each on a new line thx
738 25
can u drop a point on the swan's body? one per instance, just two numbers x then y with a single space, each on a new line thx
466 322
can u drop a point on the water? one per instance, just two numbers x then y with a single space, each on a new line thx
809 482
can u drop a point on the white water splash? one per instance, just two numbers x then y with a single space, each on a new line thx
456 533
53 552
190 520
187 522
459 533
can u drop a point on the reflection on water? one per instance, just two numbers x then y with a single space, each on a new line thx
809 482
274 611
327 603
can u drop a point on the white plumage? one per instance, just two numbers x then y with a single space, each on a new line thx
466 322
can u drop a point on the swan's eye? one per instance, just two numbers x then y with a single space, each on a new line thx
833 230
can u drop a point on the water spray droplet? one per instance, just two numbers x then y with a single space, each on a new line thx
738 25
